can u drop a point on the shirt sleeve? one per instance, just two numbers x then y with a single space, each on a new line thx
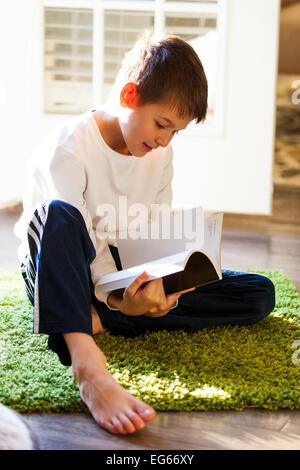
67 181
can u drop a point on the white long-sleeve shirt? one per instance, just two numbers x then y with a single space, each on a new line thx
74 163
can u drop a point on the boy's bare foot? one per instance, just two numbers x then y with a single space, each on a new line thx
112 407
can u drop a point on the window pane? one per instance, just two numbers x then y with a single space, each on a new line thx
200 31
68 60
121 30
190 26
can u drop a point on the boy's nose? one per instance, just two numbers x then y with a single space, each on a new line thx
163 141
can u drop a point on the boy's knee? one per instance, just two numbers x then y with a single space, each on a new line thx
267 300
57 217
56 221
62 207
59 210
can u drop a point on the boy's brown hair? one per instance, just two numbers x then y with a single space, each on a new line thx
167 70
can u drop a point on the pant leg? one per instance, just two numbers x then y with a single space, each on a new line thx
238 299
57 273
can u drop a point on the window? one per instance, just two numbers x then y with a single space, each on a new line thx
85 41
68 59
121 28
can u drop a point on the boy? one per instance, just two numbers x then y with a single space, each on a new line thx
121 148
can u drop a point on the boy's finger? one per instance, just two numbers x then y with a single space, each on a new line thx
136 284
154 286
187 290
174 297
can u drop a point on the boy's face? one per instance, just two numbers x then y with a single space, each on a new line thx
149 126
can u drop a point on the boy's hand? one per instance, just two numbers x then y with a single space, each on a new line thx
165 307
150 300
137 300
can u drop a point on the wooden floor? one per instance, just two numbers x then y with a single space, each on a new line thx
248 242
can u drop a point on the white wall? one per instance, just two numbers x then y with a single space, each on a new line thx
17 96
22 123
231 173
234 173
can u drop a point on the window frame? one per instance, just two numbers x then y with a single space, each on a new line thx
160 8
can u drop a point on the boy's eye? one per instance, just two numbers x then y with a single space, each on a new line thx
162 127
159 125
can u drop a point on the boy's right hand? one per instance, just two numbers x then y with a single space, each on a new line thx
137 300
150 300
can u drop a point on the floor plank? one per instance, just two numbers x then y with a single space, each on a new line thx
241 430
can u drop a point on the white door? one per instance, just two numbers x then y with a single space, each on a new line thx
233 172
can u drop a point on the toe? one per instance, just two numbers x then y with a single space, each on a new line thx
127 423
146 412
118 426
105 424
137 421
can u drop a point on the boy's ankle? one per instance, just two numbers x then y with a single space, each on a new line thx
86 356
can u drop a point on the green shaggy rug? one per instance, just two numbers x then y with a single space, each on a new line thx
212 369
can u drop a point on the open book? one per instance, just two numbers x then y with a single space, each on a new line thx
185 253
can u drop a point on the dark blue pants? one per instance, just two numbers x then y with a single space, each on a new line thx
58 283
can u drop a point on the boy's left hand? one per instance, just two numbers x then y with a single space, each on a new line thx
165 306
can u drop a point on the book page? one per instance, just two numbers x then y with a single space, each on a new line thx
155 269
167 236
208 242
212 237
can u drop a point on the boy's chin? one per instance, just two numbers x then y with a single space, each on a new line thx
139 153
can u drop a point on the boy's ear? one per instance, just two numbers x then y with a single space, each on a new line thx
128 95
